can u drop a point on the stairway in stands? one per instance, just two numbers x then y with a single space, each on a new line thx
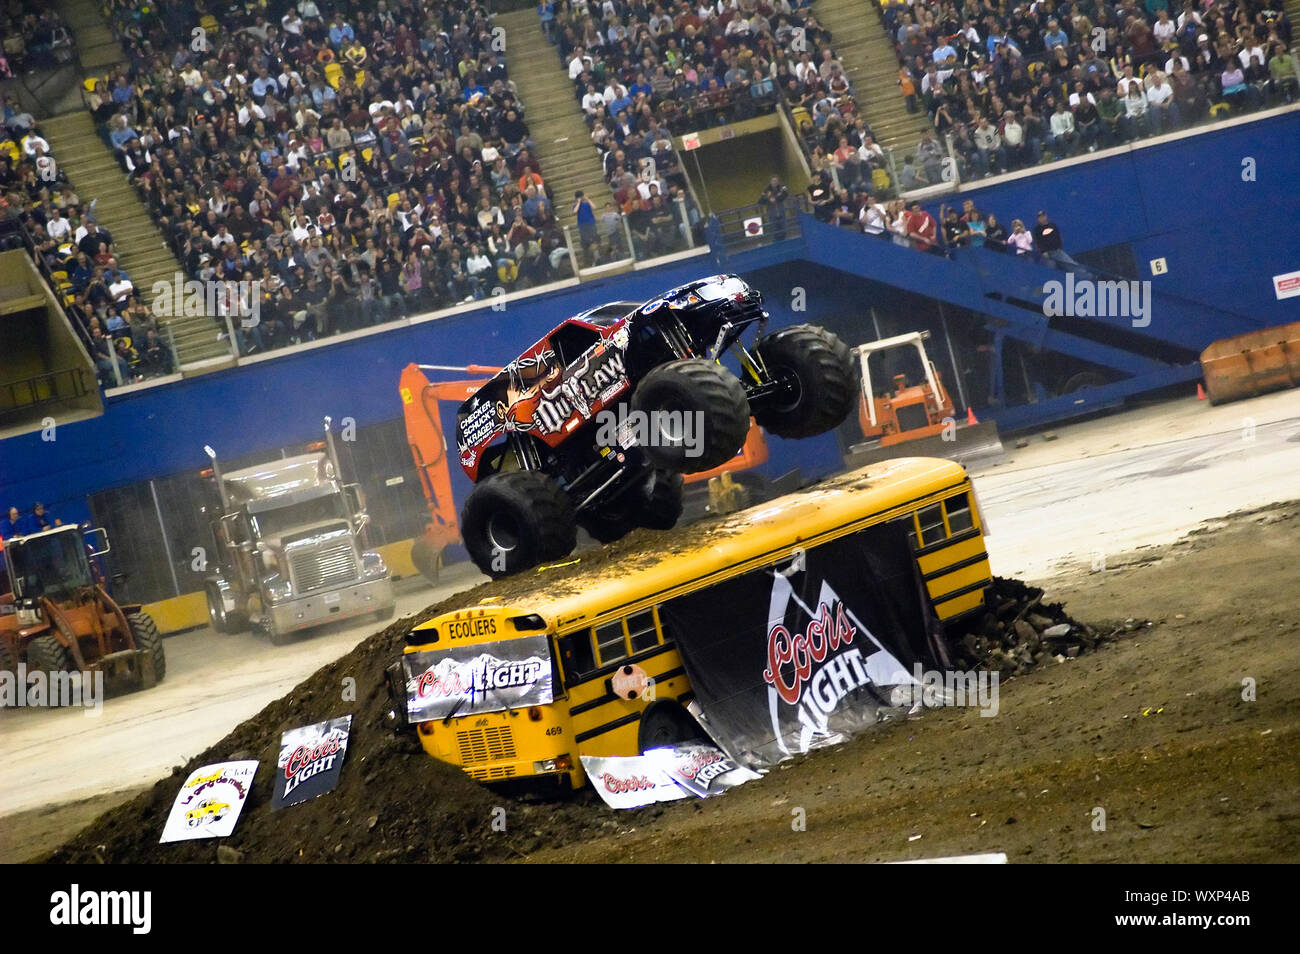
554 116
867 53
142 250
96 48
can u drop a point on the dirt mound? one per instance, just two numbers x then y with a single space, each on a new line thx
394 803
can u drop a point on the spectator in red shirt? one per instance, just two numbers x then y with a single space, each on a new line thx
922 229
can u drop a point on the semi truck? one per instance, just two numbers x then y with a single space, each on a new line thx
289 539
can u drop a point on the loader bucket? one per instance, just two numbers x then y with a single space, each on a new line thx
1252 364
972 442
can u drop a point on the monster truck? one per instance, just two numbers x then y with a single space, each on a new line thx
594 425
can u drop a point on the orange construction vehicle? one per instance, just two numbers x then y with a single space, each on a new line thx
420 399
1252 364
57 617
905 410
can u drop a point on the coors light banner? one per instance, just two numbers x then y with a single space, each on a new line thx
311 761
663 775
488 677
805 654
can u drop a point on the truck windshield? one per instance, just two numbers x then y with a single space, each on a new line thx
50 565
274 523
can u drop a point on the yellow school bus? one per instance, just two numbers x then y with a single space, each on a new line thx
617 683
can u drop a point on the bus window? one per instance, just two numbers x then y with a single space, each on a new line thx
959 517
930 523
642 632
611 643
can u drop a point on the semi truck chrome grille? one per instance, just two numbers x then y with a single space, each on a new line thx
330 565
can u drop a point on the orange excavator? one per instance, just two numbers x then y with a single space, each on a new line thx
420 399
424 434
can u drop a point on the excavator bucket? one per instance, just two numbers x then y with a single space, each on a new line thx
1252 364
964 444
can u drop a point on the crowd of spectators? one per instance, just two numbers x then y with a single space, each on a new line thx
35 37
663 68
1016 84
15 523
78 257
352 163
907 223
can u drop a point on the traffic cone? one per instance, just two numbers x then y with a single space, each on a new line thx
970 417
1200 392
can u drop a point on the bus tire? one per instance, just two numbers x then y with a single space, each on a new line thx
667 723
693 386
817 368
144 631
517 520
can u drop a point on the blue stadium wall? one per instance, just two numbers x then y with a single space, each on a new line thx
1187 201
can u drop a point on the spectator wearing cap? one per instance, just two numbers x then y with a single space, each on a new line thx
1047 239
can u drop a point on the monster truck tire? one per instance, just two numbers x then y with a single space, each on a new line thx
658 507
47 654
517 520
662 508
608 527
147 639
818 367
693 386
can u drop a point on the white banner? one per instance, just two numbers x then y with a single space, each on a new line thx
482 677
664 775
1286 285
209 803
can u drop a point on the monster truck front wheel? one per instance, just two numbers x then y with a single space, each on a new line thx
517 520
817 388
147 639
695 413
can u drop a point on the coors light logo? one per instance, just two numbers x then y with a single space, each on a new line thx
308 761
811 670
311 761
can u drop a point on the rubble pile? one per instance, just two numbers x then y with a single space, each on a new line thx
1019 632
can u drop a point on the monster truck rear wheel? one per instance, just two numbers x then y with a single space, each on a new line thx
712 397
658 506
815 369
515 521
147 639
662 508
47 654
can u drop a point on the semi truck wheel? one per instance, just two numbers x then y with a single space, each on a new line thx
816 369
222 621
517 520
696 415
147 639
